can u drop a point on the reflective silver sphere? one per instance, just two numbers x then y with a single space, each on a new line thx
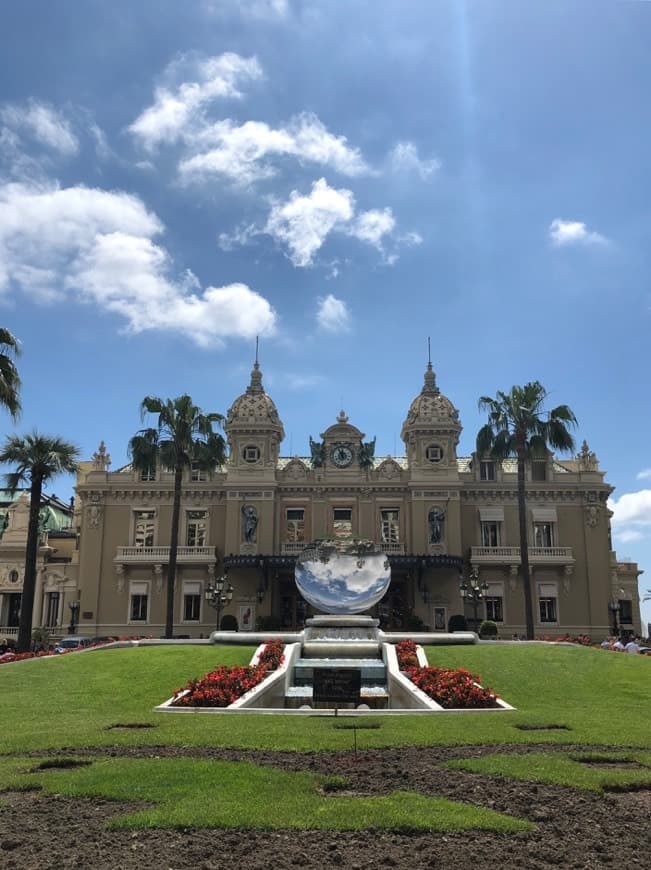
342 582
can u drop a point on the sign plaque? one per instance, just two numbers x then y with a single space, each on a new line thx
337 685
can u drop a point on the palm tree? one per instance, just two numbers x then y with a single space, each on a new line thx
183 437
516 427
37 459
9 380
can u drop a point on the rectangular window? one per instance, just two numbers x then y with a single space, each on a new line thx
490 533
148 474
139 602
625 612
548 612
390 530
486 470
144 528
196 528
52 609
495 608
548 602
543 534
342 522
197 473
539 470
295 528
191 602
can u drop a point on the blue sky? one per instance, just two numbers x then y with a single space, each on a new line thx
343 180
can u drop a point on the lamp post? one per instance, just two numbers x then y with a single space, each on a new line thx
614 608
74 616
219 595
473 591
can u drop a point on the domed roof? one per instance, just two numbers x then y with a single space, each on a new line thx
431 407
254 406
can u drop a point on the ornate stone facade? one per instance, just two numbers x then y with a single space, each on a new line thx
433 513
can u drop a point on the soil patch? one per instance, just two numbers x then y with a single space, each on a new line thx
574 829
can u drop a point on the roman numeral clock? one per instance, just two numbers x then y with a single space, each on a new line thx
342 455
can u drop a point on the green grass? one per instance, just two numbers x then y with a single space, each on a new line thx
218 794
568 769
74 700
98 698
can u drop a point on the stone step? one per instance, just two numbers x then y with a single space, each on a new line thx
357 649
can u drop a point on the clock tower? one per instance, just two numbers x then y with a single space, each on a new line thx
342 448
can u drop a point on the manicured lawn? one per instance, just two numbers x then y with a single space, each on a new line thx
76 700
593 772
221 794
564 694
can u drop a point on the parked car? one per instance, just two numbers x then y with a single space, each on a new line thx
72 642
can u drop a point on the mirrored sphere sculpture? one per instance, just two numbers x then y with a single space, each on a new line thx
342 582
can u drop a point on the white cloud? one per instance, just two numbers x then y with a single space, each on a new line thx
304 222
404 158
563 233
45 124
98 246
175 109
241 235
371 226
631 518
267 9
333 314
644 474
239 152
262 9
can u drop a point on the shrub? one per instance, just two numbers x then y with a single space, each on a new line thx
488 628
457 622
228 623
268 623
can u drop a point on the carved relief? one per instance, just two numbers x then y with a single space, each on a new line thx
119 570
94 515
158 575
592 515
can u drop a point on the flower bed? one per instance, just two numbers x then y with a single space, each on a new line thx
225 685
406 652
451 688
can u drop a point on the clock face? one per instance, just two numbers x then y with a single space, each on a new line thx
341 455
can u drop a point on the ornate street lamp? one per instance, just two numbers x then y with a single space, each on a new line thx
615 607
74 616
219 595
473 591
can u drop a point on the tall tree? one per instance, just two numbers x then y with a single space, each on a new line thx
9 380
519 426
37 459
184 436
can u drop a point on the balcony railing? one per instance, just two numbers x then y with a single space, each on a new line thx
294 548
511 555
391 548
186 555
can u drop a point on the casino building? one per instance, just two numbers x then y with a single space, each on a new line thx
440 518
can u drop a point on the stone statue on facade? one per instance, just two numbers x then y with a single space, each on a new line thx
367 453
101 459
317 451
249 523
587 459
435 519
